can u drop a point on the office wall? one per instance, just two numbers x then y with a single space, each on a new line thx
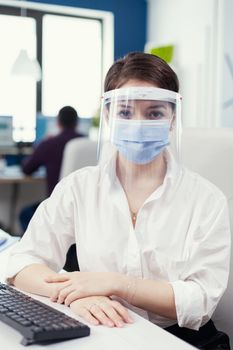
227 88
129 20
195 27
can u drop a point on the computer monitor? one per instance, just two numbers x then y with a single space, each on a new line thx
46 126
6 131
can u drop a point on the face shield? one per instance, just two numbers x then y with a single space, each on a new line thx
138 125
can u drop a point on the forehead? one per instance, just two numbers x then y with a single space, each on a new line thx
137 83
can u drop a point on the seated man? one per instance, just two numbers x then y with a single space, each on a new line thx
50 151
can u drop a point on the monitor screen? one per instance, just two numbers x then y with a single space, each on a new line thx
47 126
6 131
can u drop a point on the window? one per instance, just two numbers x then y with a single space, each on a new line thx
17 94
71 64
74 47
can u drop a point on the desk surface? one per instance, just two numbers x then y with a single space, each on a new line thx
15 150
13 174
140 335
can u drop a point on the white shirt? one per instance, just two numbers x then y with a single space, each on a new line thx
181 235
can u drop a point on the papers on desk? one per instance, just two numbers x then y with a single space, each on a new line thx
12 172
6 240
15 171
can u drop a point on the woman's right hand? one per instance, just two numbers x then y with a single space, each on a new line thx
101 310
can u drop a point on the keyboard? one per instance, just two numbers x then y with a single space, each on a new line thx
36 321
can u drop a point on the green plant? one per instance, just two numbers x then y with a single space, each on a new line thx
96 119
96 122
164 52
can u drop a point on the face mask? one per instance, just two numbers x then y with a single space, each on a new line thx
140 141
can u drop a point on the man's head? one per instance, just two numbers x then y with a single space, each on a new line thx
67 118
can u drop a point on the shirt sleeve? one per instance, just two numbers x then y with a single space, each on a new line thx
205 277
35 160
49 234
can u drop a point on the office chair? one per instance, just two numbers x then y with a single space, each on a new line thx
209 152
78 153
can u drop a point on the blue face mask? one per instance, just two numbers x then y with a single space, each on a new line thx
140 141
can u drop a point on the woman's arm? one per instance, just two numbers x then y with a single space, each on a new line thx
95 309
153 296
32 279
42 249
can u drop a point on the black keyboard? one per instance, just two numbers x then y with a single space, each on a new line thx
36 321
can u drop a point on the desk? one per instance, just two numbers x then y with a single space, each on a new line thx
13 175
16 150
141 335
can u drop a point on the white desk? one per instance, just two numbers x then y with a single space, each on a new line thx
141 335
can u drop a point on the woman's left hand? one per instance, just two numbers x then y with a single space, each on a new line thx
84 284
101 310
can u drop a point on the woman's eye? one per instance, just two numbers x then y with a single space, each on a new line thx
155 114
124 113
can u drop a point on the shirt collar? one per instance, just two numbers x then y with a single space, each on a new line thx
172 175
68 131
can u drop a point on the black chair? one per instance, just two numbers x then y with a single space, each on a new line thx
71 263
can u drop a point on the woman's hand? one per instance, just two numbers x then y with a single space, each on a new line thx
101 310
75 285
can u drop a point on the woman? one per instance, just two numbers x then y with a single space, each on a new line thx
150 234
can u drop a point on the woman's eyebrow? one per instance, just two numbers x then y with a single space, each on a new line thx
158 106
122 105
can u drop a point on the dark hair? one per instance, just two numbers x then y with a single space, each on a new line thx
141 66
68 117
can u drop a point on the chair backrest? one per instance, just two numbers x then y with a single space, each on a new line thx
78 153
209 152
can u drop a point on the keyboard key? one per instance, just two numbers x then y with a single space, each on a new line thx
36 320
